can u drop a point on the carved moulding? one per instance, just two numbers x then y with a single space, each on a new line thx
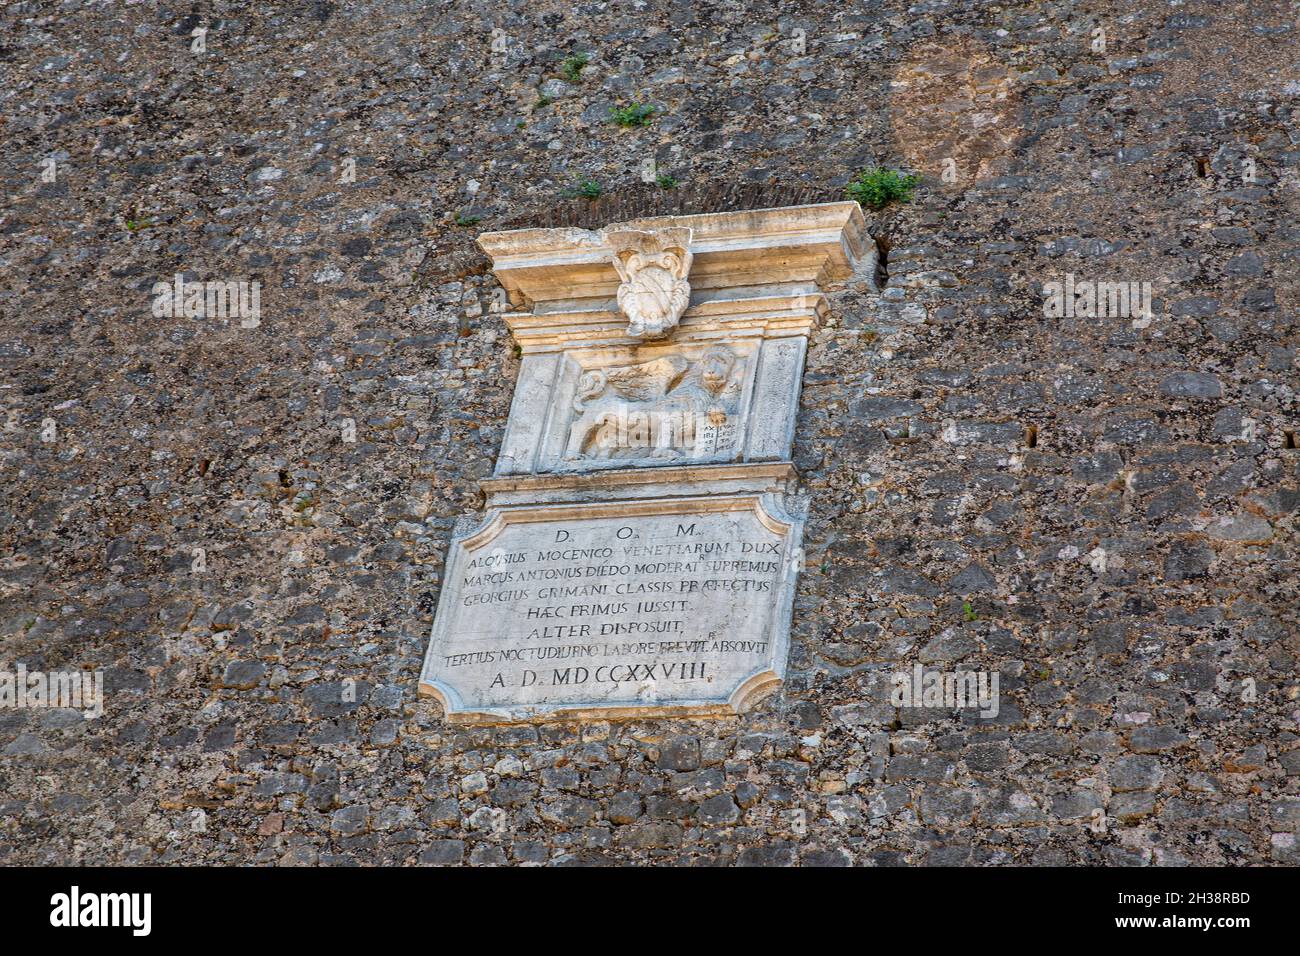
652 265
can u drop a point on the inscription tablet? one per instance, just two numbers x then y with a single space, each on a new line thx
651 607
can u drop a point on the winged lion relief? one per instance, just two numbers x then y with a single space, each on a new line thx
667 408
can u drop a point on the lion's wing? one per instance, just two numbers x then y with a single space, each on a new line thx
646 380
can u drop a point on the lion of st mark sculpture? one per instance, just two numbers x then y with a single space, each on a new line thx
665 408
653 266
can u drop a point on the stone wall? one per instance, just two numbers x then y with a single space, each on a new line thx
1102 511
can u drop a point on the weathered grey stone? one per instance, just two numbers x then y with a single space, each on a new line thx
973 579
624 808
1136 773
720 809
569 811
919 767
1078 805
1152 738
680 753
243 674
26 745
1191 385
1291 761
1131 807
1240 528
443 853
350 820
1188 560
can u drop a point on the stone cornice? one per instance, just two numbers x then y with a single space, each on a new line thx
793 250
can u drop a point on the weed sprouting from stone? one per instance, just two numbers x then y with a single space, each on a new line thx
877 187
571 66
636 114
586 189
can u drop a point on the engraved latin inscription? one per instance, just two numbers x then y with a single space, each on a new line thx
623 611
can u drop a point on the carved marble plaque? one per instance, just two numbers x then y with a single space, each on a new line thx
665 607
638 549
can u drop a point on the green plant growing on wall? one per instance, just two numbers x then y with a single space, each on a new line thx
571 66
636 114
587 189
968 611
666 181
878 186
464 220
